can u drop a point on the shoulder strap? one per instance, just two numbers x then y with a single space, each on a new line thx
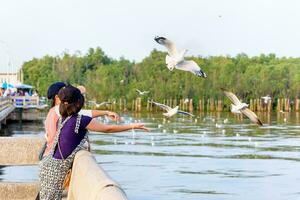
62 157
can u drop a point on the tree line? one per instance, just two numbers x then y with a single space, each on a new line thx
109 78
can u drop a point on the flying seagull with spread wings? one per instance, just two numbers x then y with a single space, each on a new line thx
241 108
266 99
98 105
175 59
141 92
171 111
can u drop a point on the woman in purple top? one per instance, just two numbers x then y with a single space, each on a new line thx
70 137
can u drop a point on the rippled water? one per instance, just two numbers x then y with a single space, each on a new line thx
204 158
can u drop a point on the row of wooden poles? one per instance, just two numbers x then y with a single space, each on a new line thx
201 105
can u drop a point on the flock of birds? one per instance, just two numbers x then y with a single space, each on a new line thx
176 59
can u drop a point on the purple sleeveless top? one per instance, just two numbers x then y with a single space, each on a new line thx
68 139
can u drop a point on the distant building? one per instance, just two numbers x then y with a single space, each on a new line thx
11 78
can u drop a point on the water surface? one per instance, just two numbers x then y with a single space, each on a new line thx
214 156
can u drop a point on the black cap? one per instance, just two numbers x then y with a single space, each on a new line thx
69 94
54 89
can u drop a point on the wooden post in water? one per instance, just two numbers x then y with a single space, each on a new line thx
278 105
220 105
296 105
285 105
148 106
183 105
251 104
288 105
191 108
212 104
258 108
140 104
125 104
208 105
255 104
133 105
269 106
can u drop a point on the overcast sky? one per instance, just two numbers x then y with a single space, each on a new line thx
34 28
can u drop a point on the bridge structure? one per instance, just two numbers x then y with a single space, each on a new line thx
20 108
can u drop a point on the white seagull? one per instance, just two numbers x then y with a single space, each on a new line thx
141 92
171 111
266 99
175 59
238 107
100 104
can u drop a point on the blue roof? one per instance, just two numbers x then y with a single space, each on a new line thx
23 86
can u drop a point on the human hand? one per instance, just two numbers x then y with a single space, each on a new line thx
140 126
113 116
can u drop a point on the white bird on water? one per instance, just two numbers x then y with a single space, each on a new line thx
266 99
238 107
141 92
171 111
98 105
175 59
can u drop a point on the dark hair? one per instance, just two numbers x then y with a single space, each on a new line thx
71 101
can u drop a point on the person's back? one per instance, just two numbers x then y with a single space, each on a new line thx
71 134
50 128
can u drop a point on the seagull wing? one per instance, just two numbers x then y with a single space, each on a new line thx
185 113
163 106
139 91
191 66
252 116
104 103
168 44
232 97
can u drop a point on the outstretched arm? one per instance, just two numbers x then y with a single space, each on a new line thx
97 113
99 127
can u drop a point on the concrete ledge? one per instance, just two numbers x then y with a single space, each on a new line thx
20 151
89 181
18 191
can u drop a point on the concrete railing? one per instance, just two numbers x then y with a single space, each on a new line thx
20 151
89 180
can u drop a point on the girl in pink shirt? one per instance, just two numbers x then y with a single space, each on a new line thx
53 116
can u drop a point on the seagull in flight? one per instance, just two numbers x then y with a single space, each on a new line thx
98 105
266 99
141 92
171 111
175 59
241 108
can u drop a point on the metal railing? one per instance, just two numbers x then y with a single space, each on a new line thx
27 102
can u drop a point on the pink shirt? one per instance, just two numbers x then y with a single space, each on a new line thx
50 128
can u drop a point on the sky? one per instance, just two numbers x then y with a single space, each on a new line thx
34 28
